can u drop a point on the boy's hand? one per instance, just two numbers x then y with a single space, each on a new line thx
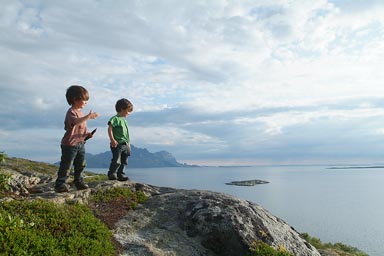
90 135
93 115
114 143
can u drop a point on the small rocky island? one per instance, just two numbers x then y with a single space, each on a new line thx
247 182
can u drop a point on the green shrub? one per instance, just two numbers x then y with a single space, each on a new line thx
43 228
340 248
259 248
316 242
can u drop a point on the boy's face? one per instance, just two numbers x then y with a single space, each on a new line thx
124 112
79 104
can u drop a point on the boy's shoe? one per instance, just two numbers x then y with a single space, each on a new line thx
122 178
112 176
61 188
80 185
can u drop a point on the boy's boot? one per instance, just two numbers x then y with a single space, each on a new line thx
112 176
80 185
121 176
61 187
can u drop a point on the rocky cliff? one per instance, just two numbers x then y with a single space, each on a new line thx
178 222
195 222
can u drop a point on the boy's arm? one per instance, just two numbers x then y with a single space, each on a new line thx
111 138
91 115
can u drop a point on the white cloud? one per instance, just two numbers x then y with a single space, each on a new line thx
276 123
277 64
171 136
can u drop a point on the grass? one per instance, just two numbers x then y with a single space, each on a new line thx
24 165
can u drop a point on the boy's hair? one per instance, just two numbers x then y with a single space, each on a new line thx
123 104
76 92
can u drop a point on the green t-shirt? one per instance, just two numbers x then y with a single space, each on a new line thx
119 129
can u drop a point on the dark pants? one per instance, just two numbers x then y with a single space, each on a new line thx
119 160
71 155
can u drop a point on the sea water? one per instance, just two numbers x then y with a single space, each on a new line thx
335 205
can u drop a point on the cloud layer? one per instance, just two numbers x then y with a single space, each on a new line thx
213 82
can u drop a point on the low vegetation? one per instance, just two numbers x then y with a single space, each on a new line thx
44 228
24 165
336 248
2 157
259 248
41 227
112 204
4 184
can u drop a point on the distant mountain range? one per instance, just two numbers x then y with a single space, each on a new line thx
140 158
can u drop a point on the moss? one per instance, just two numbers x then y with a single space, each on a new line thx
112 204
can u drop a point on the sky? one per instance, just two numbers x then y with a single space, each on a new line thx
214 82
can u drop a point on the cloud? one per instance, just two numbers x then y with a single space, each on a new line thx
256 81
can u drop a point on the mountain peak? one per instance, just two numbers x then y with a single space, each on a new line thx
140 158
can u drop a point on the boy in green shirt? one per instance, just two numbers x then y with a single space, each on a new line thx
120 143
